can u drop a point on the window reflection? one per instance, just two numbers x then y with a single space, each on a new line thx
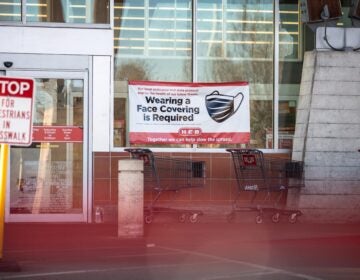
10 10
152 41
289 31
290 68
235 43
68 11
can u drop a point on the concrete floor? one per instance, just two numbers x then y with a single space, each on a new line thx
184 251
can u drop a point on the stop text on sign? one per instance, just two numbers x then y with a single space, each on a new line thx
16 104
14 87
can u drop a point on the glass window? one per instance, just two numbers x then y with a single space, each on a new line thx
345 21
152 41
10 10
289 31
295 38
68 11
290 68
235 43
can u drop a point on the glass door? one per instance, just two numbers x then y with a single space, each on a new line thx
48 180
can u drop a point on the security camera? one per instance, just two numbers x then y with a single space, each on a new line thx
8 64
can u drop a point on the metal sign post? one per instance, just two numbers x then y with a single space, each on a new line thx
3 164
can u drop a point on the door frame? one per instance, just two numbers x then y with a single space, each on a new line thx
87 190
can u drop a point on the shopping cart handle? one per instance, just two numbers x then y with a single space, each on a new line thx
138 151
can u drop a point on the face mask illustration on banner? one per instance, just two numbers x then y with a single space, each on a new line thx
221 107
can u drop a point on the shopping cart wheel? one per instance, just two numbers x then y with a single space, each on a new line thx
193 218
231 217
259 219
293 218
148 219
182 218
275 218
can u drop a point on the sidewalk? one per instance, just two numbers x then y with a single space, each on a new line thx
37 237
182 251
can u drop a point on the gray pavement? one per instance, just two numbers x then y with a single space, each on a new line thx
184 251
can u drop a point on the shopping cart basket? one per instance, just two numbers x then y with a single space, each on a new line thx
268 178
166 174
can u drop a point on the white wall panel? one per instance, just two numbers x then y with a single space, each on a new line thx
42 40
101 99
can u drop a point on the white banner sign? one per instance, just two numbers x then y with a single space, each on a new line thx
189 113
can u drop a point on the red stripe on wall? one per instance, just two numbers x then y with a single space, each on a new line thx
175 138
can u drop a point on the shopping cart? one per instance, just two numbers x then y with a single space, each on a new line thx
166 174
267 180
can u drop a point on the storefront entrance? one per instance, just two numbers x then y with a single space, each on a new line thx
47 181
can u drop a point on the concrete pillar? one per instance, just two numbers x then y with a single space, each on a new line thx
130 198
327 136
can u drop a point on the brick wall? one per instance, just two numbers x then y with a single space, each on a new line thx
215 198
